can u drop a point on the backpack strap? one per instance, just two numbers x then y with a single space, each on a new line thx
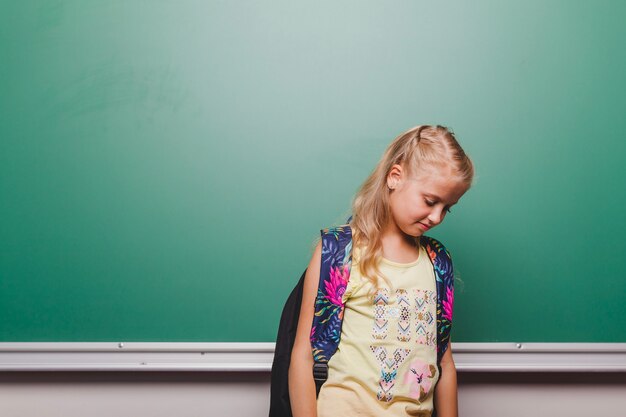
444 278
329 303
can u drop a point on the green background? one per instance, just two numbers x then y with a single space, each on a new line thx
165 167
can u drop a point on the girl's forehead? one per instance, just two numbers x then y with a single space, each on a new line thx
444 187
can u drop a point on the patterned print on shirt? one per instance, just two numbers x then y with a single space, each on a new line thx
419 378
425 325
389 369
381 305
404 321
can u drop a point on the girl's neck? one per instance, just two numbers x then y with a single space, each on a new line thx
398 246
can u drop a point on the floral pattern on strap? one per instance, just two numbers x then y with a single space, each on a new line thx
444 277
330 302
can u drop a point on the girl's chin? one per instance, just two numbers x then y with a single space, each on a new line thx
415 230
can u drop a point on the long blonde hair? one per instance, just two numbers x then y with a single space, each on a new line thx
418 149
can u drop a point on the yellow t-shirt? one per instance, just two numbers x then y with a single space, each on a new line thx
386 361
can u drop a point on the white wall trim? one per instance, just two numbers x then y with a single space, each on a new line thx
257 357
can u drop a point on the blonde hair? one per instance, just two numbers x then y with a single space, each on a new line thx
417 150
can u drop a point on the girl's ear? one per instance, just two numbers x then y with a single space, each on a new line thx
394 176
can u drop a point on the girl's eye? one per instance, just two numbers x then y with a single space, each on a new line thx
432 203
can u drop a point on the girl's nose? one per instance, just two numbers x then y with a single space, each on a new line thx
435 217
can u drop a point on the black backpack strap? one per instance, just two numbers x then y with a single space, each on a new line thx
320 375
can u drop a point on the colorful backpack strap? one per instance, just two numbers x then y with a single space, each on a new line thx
329 303
444 277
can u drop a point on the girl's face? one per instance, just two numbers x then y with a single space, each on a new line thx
422 202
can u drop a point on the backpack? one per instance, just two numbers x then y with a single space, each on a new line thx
326 327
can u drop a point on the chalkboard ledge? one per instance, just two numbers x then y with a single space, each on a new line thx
257 357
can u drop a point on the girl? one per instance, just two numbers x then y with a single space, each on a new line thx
386 361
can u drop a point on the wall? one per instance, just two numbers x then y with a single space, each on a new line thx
247 394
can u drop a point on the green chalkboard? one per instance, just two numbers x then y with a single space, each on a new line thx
165 166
